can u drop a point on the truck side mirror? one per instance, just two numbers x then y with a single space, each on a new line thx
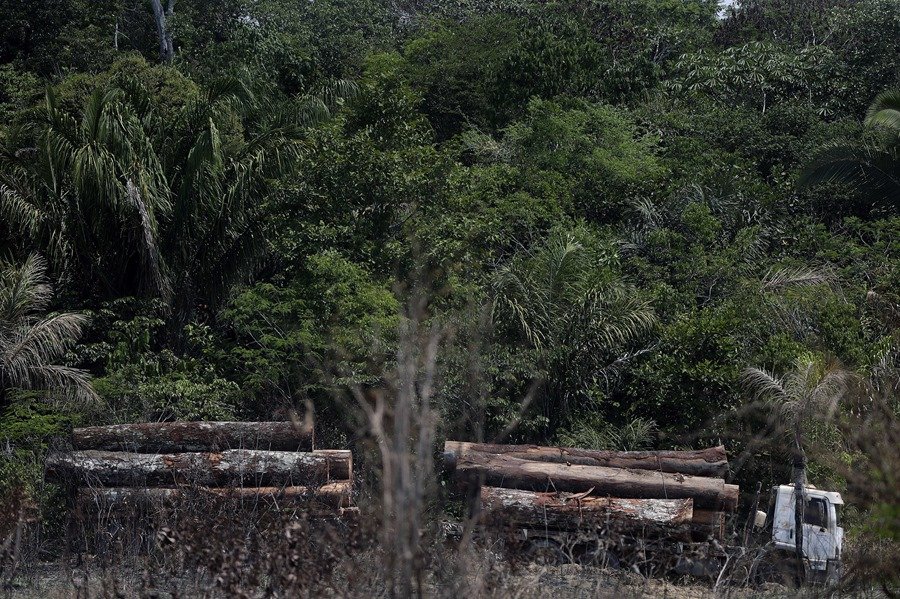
759 520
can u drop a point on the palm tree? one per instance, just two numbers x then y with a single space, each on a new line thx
31 343
885 111
572 312
873 167
133 201
807 393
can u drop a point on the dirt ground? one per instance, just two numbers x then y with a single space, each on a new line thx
562 582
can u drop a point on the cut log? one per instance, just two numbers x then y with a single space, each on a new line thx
708 517
504 471
233 467
179 437
708 523
335 494
562 511
700 462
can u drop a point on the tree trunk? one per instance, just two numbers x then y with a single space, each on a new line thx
179 437
799 472
231 467
334 494
702 462
164 35
510 507
510 472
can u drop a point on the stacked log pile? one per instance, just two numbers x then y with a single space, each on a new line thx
167 461
565 488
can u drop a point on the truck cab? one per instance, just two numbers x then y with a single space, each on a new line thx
823 535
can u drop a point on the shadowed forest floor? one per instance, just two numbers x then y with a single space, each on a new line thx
564 582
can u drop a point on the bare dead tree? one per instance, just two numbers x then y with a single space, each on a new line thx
402 420
163 16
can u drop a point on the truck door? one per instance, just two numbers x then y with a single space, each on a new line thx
819 543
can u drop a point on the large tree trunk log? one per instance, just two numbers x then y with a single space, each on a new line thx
231 467
505 507
178 437
701 462
504 471
335 494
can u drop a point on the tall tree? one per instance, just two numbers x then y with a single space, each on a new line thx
573 312
804 395
163 16
134 200
872 167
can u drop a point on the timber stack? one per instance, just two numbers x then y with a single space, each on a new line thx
562 488
164 462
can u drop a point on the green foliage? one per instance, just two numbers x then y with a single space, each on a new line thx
28 419
18 91
142 379
301 338
758 73
634 435
871 167
606 161
163 199
866 36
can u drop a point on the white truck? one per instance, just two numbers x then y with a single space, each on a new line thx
768 555
823 536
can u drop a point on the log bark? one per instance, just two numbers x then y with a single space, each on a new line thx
178 437
504 471
700 462
227 468
561 511
334 494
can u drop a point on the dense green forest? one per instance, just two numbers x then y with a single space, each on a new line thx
625 223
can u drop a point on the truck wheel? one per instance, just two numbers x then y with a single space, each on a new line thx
545 552
778 568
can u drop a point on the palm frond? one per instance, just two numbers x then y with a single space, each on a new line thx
763 385
30 345
836 163
336 91
885 111
230 89
72 384
39 342
785 277
23 290
311 111
19 210
151 257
